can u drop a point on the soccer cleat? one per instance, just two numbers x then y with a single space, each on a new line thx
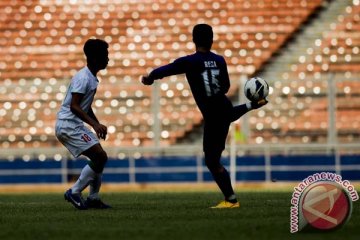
96 203
226 204
75 199
259 104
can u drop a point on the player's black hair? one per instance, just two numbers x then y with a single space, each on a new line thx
94 48
203 35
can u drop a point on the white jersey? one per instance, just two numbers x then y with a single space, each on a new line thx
83 82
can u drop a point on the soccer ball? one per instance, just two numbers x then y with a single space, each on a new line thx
256 89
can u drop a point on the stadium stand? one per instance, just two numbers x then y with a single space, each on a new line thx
41 49
330 60
306 50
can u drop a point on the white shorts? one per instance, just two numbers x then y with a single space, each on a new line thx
75 137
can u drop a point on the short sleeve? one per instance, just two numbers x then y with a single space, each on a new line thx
79 85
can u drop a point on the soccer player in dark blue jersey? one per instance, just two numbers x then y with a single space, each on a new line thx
208 78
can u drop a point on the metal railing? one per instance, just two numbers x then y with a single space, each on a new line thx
231 155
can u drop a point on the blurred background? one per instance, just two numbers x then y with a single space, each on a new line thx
308 51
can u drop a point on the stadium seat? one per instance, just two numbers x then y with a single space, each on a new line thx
334 57
41 48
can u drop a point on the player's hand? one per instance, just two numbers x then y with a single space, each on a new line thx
101 130
146 80
259 104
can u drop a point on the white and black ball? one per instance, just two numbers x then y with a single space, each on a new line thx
256 89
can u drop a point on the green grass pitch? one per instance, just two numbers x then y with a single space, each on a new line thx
158 215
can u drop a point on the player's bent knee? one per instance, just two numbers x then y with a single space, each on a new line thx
98 158
97 165
102 156
100 161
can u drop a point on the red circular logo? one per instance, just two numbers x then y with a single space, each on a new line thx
325 205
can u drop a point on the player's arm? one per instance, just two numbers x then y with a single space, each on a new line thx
90 119
177 67
92 115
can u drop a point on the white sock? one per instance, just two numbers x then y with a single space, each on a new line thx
95 186
87 175
232 197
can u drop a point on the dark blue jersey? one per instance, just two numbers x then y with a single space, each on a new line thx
207 76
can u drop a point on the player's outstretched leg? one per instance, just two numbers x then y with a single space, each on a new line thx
240 110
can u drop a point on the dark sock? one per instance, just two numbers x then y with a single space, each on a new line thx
222 179
232 199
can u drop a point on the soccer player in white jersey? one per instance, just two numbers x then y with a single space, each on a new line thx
78 139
